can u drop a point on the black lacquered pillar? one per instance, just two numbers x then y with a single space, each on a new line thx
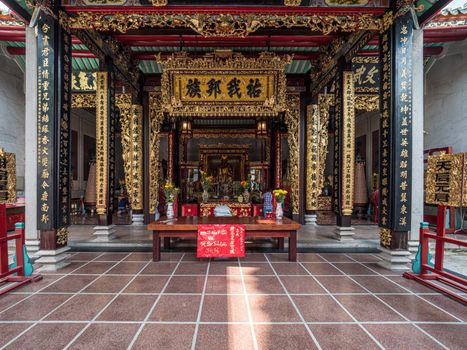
396 141
53 140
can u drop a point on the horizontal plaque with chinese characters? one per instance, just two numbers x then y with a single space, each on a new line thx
223 88
444 178
221 241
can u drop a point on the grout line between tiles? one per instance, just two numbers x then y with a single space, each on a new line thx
106 306
37 292
345 309
248 309
146 319
392 308
200 310
295 306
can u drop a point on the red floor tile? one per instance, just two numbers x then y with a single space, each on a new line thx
224 285
263 285
80 308
165 336
320 308
85 256
94 268
289 269
416 309
378 284
368 308
36 286
139 256
340 284
309 257
321 269
364 258
342 337
272 308
159 268
108 284
454 336
8 331
34 308
70 284
186 284
224 268
449 305
192 268
333 258
255 269
224 336
128 308
283 337
127 268
106 336
112 257
147 284
301 285
48 336
353 269
8 300
176 308
401 336
224 308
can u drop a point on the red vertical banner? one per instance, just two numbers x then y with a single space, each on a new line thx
221 241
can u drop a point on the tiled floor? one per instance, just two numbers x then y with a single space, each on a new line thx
325 301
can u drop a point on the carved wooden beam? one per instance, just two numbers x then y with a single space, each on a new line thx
347 47
104 46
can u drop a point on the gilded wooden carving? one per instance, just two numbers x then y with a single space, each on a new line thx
226 24
292 120
312 157
367 103
156 116
194 77
62 236
7 177
385 237
324 103
83 100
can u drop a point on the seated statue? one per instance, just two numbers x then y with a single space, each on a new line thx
225 177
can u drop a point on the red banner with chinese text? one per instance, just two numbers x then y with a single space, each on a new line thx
216 241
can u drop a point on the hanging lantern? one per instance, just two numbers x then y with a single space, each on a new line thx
261 128
186 128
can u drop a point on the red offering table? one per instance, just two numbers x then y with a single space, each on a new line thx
237 209
187 227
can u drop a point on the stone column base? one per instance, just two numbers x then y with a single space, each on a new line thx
413 248
310 219
104 233
53 260
344 233
395 260
138 219
32 246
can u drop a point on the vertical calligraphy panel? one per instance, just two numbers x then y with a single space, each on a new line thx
337 154
102 142
312 158
137 157
64 106
396 133
46 122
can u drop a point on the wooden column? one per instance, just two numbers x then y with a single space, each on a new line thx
53 135
105 147
312 159
137 159
344 151
396 134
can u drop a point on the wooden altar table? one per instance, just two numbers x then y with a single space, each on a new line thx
237 209
255 227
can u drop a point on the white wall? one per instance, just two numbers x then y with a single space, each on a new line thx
12 113
446 100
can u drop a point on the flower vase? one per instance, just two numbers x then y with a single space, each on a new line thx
170 210
205 196
279 211
246 196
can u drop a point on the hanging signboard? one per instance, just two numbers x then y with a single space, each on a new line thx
444 180
7 177
221 241
366 73
224 83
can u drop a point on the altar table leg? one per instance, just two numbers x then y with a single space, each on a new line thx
156 246
280 243
166 242
293 246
